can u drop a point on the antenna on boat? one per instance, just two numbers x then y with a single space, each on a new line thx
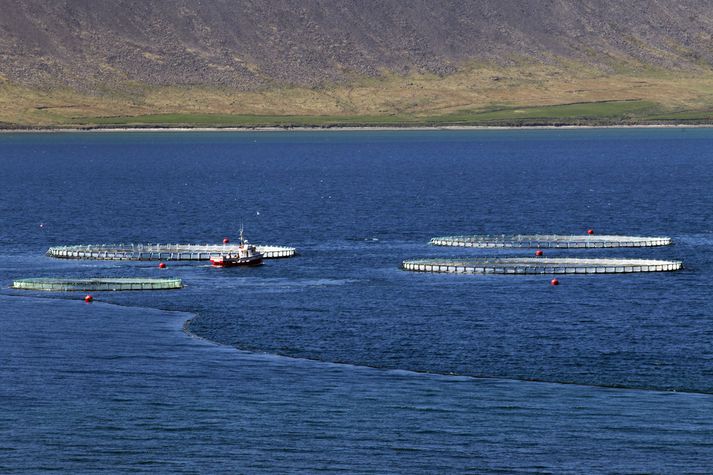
242 240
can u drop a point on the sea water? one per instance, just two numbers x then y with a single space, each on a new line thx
337 360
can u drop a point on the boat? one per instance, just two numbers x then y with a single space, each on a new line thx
245 255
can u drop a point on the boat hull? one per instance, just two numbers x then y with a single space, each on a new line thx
236 262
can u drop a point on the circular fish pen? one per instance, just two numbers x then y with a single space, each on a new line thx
96 284
490 241
159 252
539 265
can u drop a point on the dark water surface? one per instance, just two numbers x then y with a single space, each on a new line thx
86 386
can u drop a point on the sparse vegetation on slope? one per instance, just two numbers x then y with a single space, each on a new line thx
239 63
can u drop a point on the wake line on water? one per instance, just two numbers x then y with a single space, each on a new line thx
456 376
185 327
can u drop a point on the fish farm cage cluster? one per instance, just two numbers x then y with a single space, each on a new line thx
474 265
136 252
540 264
97 284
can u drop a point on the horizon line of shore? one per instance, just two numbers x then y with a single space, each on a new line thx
318 128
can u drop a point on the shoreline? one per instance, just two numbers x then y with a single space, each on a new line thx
44 130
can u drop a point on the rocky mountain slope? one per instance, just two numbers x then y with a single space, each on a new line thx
252 43
116 48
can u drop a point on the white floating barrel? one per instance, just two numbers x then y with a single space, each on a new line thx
489 241
540 265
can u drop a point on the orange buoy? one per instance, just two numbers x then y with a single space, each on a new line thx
590 231
88 298
555 282
539 252
162 265
226 240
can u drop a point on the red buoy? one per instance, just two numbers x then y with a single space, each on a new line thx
226 240
590 231
162 265
88 298
555 282
539 252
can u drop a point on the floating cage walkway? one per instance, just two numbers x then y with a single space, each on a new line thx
549 241
159 252
113 284
540 265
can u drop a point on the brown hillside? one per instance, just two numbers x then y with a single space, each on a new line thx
248 44
84 61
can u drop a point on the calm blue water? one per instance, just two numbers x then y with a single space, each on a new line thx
336 360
